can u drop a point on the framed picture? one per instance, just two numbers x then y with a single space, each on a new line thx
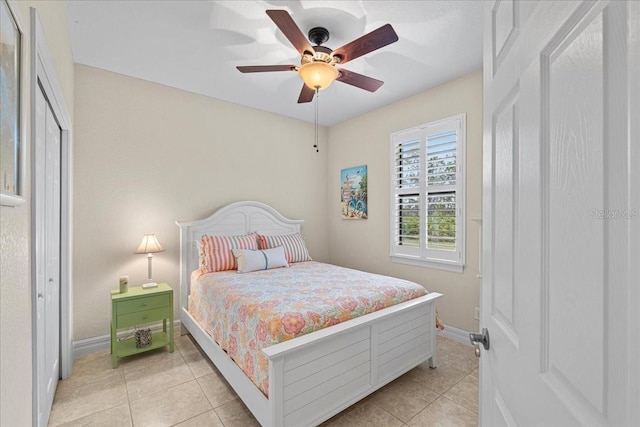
11 129
353 194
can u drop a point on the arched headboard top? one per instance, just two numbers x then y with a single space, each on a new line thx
242 218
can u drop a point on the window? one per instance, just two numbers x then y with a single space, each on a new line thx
427 194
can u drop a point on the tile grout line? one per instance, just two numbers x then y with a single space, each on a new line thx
462 406
163 390
442 394
86 415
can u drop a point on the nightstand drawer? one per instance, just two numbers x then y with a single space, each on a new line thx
141 317
146 303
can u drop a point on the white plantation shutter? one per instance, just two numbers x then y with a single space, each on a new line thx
441 190
406 178
427 184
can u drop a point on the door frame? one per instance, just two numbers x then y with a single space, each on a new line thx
43 74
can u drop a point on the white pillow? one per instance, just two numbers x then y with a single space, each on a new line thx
265 259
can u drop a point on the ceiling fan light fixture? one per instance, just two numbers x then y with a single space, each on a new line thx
318 75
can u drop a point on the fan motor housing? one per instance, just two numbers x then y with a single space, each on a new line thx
318 35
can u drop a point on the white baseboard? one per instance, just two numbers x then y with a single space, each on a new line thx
103 342
455 334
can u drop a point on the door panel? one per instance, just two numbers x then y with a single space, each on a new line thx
506 172
504 26
574 243
559 227
47 229
52 257
39 202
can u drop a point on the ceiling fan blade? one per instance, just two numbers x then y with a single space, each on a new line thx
283 20
359 80
368 43
265 68
306 94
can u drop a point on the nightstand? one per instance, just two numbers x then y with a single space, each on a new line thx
139 306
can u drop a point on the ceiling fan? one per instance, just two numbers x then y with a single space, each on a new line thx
318 63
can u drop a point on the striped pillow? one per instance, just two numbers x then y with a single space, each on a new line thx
216 252
294 248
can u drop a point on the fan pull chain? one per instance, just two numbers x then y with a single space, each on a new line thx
316 141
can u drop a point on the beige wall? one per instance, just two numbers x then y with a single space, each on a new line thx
147 155
15 281
365 244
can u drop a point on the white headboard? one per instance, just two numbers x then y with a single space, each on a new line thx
231 220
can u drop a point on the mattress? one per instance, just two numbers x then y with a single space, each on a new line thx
245 313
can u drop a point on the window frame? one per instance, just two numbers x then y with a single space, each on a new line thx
422 256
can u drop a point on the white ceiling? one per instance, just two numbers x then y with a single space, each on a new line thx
196 46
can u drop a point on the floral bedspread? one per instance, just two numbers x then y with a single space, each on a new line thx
245 313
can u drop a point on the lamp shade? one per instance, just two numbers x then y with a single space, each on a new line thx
318 75
149 245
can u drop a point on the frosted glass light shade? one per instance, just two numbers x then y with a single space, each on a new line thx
318 75
149 245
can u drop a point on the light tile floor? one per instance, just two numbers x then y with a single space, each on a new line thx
183 388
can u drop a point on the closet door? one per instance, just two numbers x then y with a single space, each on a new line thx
47 152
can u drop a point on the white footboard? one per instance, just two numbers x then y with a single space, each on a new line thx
318 375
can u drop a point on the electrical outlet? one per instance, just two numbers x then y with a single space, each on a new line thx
477 313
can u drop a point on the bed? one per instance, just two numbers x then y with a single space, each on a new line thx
316 375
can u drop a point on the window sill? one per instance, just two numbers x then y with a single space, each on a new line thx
417 262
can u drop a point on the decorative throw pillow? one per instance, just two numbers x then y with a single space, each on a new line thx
216 251
262 259
294 247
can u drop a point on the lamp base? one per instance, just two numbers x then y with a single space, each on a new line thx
149 285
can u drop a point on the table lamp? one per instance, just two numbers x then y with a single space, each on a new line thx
149 246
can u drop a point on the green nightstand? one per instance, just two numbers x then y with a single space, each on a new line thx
138 306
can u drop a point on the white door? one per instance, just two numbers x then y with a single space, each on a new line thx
561 207
48 278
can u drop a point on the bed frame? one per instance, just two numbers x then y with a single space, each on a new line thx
315 376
